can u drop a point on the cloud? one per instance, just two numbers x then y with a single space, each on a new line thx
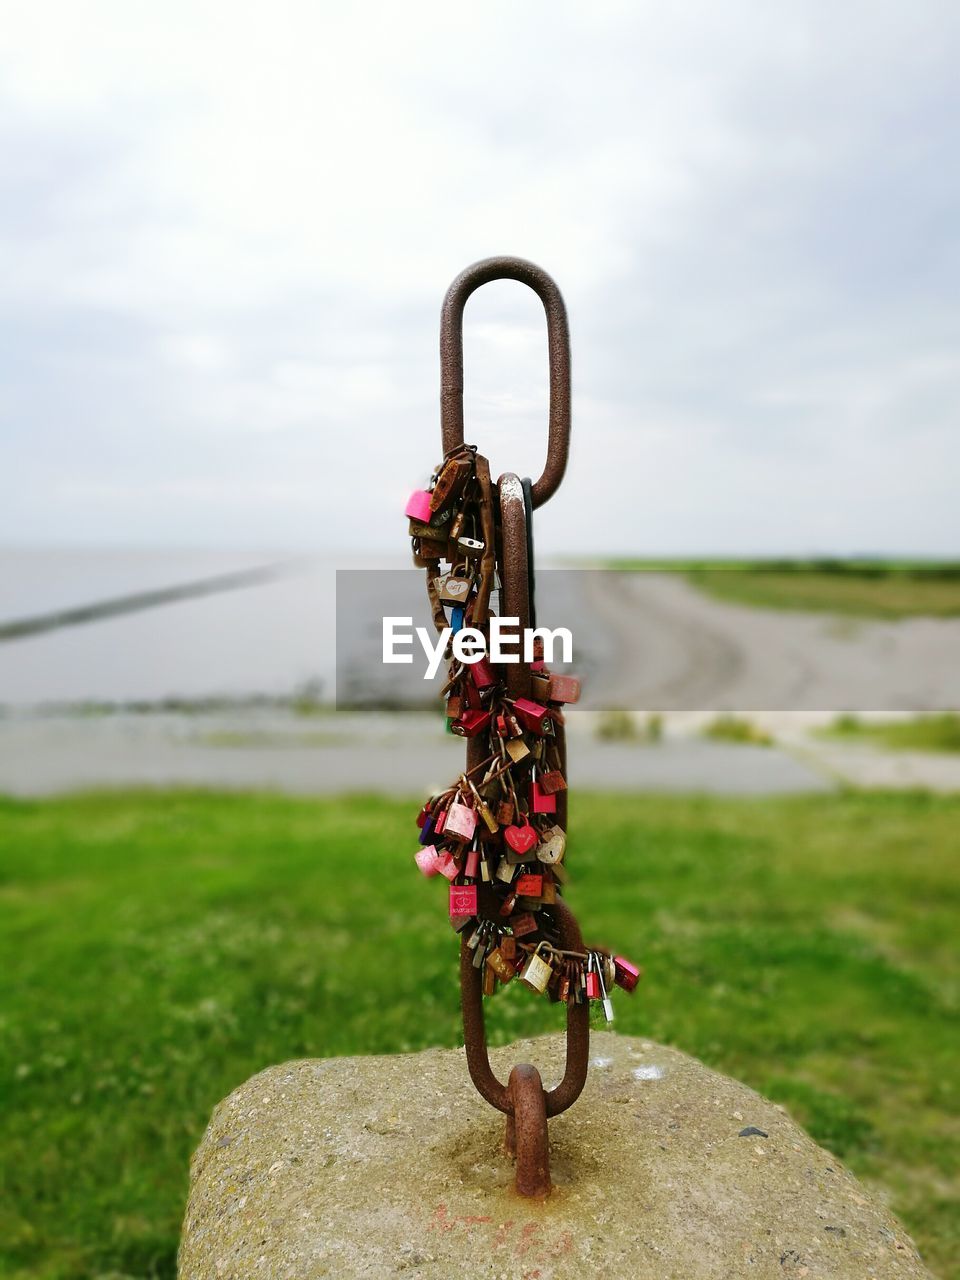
227 231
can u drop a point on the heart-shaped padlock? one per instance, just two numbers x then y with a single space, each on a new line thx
521 839
552 846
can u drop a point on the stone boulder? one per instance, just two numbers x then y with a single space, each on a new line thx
393 1166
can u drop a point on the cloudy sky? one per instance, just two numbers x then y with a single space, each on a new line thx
227 230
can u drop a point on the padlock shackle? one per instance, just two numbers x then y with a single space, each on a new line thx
558 348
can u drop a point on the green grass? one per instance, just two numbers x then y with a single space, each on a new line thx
920 733
857 588
158 948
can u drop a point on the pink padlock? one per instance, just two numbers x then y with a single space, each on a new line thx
472 865
463 899
461 821
625 973
428 860
418 506
447 866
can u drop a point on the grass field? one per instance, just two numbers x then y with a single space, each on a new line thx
856 588
919 733
158 948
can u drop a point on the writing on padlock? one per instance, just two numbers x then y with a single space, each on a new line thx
537 972
454 587
461 821
463 899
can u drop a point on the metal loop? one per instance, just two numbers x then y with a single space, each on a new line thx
558 346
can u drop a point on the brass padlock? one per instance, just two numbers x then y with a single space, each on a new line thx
502 965
537 972
454 587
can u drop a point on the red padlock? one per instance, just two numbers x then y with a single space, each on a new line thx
625 973
563 689
529 885
532 715
541 801
471 724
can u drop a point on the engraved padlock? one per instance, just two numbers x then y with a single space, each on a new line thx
523 924
502 965
461 821
529 885
463 900
537 972
454 587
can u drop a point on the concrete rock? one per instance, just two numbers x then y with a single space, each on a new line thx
392 1166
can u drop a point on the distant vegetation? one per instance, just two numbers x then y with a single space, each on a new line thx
736 729
858 588
923 733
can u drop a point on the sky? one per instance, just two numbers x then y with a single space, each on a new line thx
226 231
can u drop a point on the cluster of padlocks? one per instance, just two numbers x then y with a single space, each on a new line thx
494 835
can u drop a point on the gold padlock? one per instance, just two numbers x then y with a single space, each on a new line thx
537 972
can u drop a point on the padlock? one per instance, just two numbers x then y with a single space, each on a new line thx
454 587
436 530
451 480
533 715
481 673
548 893
489 985
504 813
461 821
454 706
456 526
501 964
552 782
427 831
553 842
521 837
463 899
470 548
428 860
537 972
524 924
471 723
471 867
448 866
505 871
456 618
529 885
627 974
418 506
517 750
604 997
508 905
508 946
439 821
563 689
540 800
460 923
432 549
539 683
486 871
591 981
